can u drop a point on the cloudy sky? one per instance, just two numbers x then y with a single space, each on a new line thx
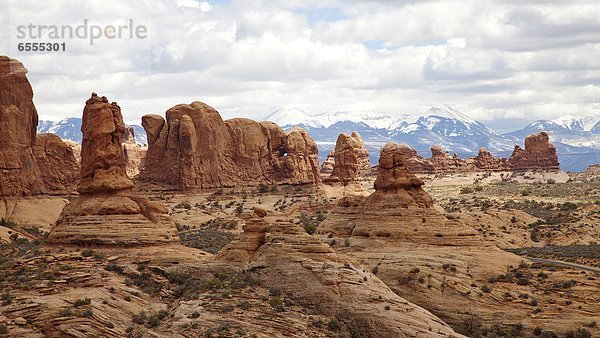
502 62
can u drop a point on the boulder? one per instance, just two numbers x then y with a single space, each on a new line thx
195 149
106 211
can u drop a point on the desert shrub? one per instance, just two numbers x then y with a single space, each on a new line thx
568 206
485 288
139 318
65 313
7 298
564 284
88 313
470 326
81 302
244 305
334 325
525 192
114 267
466 190
3 329
263 188
579 333
227 308
7 223
275 291
551 181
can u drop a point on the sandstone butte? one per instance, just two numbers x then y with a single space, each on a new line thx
29 165
539 153
430 258
348 160
195 149
106 211
320 278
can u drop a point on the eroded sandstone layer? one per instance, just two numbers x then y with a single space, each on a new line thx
134 153
19 173
195 149
539 153
106 212
333 284
349 159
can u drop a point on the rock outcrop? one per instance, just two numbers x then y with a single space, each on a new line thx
539 153
195 149
332 284
134 153
59 168
350 159
19 173
327 165
594 169
107 212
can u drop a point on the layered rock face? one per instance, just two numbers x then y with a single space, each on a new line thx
350 158
59 168
195 149
333 284
594 169
19 173
539 153
106 212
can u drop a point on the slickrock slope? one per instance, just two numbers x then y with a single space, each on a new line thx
350 158
539 153
311 273
430 259
19 173
195 149
106 212
59 168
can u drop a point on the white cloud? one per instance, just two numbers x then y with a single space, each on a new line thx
498 61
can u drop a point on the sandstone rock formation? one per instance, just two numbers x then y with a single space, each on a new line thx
59 168
486 161
134 153
19 173
195 149
350 159
327 165
106 212
594 169
311 272
539 153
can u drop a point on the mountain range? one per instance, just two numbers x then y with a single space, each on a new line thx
576 137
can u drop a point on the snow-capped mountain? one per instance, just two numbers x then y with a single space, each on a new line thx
70 129
578 122
443 125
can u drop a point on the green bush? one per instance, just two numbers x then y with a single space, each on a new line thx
466 190
81 302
